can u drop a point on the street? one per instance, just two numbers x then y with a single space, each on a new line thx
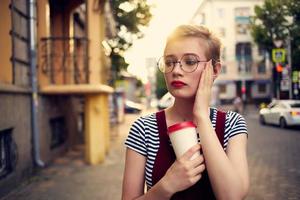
272 153
274 161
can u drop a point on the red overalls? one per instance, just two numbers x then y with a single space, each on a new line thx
165 158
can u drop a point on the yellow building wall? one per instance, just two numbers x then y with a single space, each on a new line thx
97 128
43 30
6 70
105 60
95 35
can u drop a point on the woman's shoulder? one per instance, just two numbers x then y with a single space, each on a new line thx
146 118
230 115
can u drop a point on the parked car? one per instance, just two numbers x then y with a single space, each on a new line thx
133 107
165 101
281 112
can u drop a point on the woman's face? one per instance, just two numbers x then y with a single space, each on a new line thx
183 84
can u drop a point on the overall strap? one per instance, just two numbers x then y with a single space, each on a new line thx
165 155
162 126
220 126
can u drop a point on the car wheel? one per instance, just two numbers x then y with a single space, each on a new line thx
282 122
262 120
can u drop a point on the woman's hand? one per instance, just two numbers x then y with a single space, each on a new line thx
184 172
203 93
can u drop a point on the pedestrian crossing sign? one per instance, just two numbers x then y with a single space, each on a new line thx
278 55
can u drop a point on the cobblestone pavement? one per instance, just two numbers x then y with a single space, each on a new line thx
274 166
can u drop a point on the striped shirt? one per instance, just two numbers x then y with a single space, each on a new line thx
144 138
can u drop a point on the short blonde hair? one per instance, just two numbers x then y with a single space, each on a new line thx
202 32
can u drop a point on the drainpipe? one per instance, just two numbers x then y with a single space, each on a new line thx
34 93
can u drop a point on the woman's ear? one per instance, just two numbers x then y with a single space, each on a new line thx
217 69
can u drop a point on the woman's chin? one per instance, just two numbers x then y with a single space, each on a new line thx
182 95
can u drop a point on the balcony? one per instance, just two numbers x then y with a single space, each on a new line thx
64 60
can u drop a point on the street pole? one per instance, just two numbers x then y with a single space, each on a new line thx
278 44
289 49
277 82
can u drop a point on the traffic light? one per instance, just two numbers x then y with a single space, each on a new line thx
279 68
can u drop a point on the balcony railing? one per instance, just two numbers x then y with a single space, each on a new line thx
65 60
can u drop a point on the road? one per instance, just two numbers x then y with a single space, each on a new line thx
274 161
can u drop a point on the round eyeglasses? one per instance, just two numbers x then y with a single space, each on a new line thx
188 63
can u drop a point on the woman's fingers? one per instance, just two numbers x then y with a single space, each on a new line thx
197 161
187 155
198 170
196 178
208 74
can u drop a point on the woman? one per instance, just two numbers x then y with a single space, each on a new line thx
190 64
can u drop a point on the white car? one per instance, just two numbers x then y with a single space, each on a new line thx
281 112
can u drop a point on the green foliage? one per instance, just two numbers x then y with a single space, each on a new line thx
130 16
161 88
276 20
117 64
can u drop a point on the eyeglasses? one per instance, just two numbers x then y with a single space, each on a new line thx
188 63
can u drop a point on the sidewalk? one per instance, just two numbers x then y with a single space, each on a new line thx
70 178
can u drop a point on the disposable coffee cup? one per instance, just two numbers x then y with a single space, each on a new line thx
183 136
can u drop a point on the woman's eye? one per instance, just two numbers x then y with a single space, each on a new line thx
190 62
169 63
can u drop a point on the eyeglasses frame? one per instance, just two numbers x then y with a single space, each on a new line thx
180 64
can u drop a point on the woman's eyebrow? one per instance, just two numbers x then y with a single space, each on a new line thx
169 55
173 55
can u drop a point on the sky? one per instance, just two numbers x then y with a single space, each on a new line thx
167 14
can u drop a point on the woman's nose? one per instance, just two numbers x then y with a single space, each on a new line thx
177 68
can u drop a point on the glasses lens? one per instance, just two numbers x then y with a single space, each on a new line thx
189 63
165 65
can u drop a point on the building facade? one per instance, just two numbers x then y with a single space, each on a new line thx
246 70
53 91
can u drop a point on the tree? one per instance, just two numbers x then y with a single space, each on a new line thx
130 16
277 20
161 88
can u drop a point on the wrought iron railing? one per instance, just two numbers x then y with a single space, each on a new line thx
65 60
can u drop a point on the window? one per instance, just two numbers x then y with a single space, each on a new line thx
8 153
262 88
222 88
242 20
295 105
243 53
20 42
261 68
58 131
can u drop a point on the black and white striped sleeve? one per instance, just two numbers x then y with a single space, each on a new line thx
136 137
237 124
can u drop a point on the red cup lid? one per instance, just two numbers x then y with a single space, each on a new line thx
181 125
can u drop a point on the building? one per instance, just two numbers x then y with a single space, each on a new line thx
151 85
53 91
246 70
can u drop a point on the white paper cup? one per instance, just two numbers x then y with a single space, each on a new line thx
183 136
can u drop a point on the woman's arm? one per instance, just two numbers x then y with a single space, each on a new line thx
228 172
134 173
134 180
184 169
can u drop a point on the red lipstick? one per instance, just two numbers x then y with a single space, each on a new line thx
177 84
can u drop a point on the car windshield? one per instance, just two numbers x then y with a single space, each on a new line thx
295 105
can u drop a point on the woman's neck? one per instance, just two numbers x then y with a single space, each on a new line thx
182 110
